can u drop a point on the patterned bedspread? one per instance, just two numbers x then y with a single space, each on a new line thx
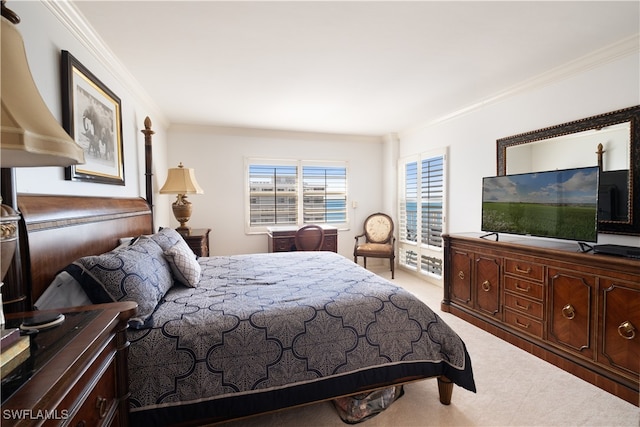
276 322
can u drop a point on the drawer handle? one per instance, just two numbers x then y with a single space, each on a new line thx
101 406
522 325
461 274
520 288
568 312
523 307
486 286
627 330
519 270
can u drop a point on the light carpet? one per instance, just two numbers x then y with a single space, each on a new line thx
514 389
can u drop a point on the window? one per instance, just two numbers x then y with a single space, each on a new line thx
421 212
273 194
295 193
324 191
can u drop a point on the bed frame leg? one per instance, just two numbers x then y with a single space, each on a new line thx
445 389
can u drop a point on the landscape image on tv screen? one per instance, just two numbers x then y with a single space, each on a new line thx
562 204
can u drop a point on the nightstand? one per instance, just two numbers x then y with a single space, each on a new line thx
76 373
198 240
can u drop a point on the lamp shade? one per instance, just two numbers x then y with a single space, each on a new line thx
181 180
31 136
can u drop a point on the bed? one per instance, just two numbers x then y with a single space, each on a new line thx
244 334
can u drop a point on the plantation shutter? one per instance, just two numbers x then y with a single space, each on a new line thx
273 194
431 199
421 212
324 192
409 204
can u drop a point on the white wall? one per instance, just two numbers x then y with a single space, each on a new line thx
45 35
471 137
218 154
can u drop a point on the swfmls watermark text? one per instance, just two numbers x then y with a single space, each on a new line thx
35 414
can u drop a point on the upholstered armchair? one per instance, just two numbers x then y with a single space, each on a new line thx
309 238
379 241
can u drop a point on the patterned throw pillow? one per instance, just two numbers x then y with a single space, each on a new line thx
137 273
181 258
184 265
168 237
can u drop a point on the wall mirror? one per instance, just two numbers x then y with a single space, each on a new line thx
611 141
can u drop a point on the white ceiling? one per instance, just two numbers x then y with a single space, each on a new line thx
351 67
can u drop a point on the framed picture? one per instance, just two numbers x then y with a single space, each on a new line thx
91 114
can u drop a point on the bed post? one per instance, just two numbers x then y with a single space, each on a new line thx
148 162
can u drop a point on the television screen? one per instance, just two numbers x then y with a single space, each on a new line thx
561 204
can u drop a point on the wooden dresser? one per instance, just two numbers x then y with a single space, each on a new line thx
282 238
578 311
77 372
198 240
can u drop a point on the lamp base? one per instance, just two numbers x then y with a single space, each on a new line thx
182 211
8 236
186 230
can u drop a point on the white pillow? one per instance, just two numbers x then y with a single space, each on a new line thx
184 265
64 291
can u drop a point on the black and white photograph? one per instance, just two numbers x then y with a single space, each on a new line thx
92 116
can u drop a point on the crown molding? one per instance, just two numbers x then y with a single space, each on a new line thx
620 49
272 133
67 13
74 21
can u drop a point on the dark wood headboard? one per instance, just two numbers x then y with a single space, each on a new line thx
61 229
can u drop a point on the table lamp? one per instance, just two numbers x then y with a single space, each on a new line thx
30 134
181 181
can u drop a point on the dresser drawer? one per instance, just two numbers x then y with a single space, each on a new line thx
524 269
523 305
283 245
523 287
101 402
523 323
93 399
620 347
330 243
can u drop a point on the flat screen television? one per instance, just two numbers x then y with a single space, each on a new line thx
561 204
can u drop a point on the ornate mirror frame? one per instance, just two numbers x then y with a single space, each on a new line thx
631 115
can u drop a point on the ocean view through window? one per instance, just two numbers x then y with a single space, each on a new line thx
421 212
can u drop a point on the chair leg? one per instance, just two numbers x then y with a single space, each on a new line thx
365 261
392 268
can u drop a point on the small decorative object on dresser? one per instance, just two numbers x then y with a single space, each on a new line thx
197 239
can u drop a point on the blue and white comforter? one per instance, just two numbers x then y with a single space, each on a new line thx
268 323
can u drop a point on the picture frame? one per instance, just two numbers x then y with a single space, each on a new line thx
92 116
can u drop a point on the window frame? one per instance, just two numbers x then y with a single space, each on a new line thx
418 252
299 164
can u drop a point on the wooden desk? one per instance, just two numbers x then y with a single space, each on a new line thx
77 372
282 238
